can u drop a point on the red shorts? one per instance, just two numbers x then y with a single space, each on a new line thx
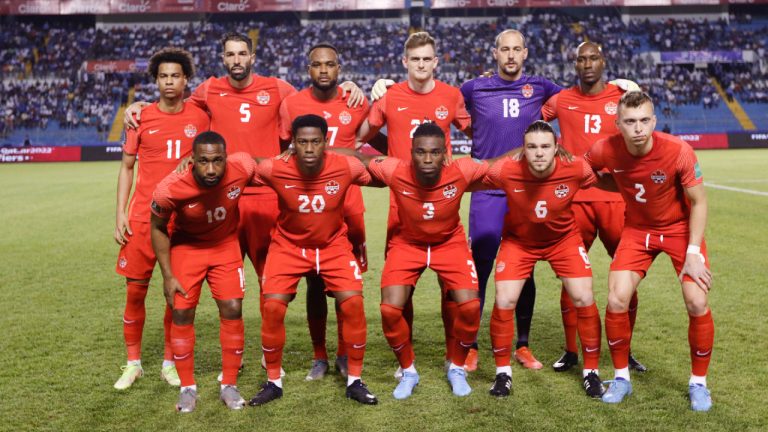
638 249
393 222
356 235
220 265
451 260
136 259
604 219
288 263
568 259
258 215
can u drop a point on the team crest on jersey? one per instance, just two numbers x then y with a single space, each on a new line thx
332 187
345 117
123 262
233 192
450 191
500 266
561 191
527 91
611 108
190 131
262 97
441 112
658 176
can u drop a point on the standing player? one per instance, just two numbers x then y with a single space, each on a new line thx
406 105
325 98
166 135
502 107
587 113
203 246
541 227
661 182
310 237
430 235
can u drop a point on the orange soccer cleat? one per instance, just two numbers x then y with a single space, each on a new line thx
524 356
470 364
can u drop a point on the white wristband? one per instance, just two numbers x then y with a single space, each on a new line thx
693 249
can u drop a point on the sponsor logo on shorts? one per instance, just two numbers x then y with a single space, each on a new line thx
527 91
345 117
233 192
332 187
500 266
450 191
122 262
611 108
561 191
262 97
441 112
190 131
658 176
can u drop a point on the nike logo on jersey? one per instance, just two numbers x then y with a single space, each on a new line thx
617 170
519 190
223 94
192 205
614 342
289 186
152 131
402 108
572 107
407 193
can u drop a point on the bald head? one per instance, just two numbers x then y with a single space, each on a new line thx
510 54
509 32
590 64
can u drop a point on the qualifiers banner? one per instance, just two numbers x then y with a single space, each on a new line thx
705 141
445 4
40 154
755 139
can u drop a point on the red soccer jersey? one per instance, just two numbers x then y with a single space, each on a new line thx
585 119
652 185
403 110
312 208
248 118
343 121
428 215
539 208
159 142
205 216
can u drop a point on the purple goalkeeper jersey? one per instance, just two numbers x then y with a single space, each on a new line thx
501 111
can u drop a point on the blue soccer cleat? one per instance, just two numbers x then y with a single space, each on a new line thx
700 398
458 380
404 389
617 390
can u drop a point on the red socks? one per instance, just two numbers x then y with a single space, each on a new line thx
273 335
354 331
589 334
232 338
502 333
133 318
341 347
465 324
183 345
568 311
619 333
396 331
701 336
633 311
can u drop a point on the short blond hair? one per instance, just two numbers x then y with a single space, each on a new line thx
418 40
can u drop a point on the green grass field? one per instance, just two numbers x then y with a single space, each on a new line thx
61 340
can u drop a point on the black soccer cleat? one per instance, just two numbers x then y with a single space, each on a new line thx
502 385
636 365
269 392
566 362
359 392
593 386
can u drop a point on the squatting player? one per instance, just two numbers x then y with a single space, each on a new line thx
540 187
661 182
430 235
586 113
203 246
502 107
310 237
325 98
165 135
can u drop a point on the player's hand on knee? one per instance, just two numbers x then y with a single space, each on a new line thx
694 267
171 286
352 93
184 165
132 115
122 227
380 88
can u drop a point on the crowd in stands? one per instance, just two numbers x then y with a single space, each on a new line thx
42 78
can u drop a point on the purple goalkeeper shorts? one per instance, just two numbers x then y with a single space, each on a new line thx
486 221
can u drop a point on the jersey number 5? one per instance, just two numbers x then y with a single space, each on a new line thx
246 112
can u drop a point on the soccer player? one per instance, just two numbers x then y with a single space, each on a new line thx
662 184
310 237
502 107
203 246
430 235
166 135
325 98
586 113
406 105
540 226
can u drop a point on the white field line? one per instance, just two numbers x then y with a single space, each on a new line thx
745 181
735 189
